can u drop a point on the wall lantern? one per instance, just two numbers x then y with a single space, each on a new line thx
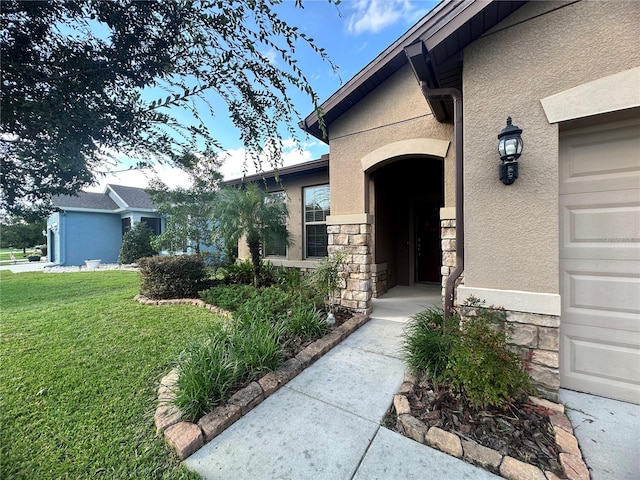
510 147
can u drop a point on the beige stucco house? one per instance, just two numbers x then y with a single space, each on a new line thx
415 194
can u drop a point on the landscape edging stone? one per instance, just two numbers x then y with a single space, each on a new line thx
226 415
571 458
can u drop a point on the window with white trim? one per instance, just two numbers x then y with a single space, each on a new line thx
316 210
275 243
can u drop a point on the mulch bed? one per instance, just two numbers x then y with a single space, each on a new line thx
521 430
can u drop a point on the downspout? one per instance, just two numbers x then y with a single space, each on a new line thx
453 93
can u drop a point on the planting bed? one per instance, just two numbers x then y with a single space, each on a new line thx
187 437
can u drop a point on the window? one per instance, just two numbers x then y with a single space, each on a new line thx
126 225
153 223
275 243
316 210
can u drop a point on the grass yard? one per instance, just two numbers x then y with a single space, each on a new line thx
81 362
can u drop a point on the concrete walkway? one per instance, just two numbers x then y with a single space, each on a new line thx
325 424
608 432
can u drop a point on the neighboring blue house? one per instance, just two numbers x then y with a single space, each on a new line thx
90 226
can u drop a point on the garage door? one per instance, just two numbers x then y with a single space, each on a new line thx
600 260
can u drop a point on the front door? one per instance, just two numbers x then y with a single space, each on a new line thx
427 242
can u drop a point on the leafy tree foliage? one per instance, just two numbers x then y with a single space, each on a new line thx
76 76
136 244
188 211
251 213
19 234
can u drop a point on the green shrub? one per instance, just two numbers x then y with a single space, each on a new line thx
240 272
325 279
288 278
231 354
207 371
305 323
136 244
257 347
428 340
481 364
472 355
43 250
271 303
167 277
229 297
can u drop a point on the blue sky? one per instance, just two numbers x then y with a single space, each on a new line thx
353 34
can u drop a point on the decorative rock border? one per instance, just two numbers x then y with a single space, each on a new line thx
487 458
187 437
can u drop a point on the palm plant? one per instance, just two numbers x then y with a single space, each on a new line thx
251 213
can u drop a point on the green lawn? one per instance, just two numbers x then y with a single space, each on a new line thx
80 365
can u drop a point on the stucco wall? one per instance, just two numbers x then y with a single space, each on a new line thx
542 49
395 111
294 186
89 236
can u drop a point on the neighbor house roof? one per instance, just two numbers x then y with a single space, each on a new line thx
114 198
444 32
132 197
85 200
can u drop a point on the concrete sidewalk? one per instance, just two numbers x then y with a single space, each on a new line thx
325 423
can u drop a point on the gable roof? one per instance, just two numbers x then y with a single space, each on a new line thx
444 32
115 198
85 200
132 197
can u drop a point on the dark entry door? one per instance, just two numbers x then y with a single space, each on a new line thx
427 246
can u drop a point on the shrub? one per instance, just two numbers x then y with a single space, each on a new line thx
428 340
136 244
305 324
229 297
257 347
207 371
230 355
43 250
472 355
481 364
181 276
240 272
271 303
325 279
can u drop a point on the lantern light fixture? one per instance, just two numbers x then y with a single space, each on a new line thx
509 147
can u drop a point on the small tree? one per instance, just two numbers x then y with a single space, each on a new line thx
188 211
251 213
326 277
136 244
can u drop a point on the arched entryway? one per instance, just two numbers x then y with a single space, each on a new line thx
405 196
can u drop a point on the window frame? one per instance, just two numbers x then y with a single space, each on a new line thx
305 223
264 240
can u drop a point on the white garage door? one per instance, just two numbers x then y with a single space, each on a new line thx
600 260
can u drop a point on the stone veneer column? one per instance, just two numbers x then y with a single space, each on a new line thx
379 275
355 239
448 240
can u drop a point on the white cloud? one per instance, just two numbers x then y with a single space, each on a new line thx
236 164
373 16
171 176
233 166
